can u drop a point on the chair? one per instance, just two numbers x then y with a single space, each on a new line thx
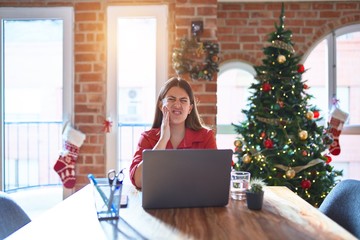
342 205
12 216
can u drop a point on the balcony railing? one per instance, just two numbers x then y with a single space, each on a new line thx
32 148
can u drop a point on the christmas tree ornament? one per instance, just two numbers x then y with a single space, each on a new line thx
304 153
262 134
281 103
281 59
266 87
268 143
316 114
328 159
336 123
65 165
290 173
301 68
246 158
305 86
276 106
238 143
310 115
305 184
303 134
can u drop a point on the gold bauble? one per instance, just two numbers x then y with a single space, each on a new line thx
281 59
310 115
246 158
303 134
290 173
238 143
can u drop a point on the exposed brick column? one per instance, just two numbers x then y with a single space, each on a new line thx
90 87
187 11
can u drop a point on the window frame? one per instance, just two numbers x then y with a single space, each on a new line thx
353 129
34 13
160 12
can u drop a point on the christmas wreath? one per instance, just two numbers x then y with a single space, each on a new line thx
198 59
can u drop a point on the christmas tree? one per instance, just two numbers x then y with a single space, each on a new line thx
281 139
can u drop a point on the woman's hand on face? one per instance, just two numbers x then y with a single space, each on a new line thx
165 126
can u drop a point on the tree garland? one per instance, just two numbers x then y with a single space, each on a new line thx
198 59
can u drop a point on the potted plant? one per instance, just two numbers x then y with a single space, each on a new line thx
255 194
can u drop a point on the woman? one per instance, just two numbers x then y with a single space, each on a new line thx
177 125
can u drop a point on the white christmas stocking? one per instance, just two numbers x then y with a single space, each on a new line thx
65 165
336 123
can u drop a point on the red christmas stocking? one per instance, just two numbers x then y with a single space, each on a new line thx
65 165
337 120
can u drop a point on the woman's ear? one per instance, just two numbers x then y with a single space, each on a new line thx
190 108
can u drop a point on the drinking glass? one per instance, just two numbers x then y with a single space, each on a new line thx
239 184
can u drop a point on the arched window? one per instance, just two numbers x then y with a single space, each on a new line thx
331 74
234 80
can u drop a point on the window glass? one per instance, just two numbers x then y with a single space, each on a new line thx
137 78
316 77
342 53
37 95
233 92
348 83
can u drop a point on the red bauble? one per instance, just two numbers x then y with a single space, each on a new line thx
268 143
306 86
328 159
316 114
262 134
238 149
301 68
266 87
305 184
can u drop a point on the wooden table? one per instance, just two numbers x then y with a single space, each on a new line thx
284 216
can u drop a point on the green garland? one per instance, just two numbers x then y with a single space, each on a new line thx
189 58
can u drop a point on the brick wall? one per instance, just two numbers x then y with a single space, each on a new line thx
240 28
243 28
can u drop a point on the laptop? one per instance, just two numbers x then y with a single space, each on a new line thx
184 178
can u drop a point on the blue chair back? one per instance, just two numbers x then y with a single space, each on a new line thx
12 216
342 205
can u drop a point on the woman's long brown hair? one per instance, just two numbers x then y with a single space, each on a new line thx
193 121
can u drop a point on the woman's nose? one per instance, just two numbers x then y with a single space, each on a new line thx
177 103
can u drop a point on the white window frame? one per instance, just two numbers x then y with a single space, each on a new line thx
332 78
160 12
32 13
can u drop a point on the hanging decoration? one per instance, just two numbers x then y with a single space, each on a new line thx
107 124
198 59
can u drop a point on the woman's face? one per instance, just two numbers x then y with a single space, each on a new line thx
178 104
